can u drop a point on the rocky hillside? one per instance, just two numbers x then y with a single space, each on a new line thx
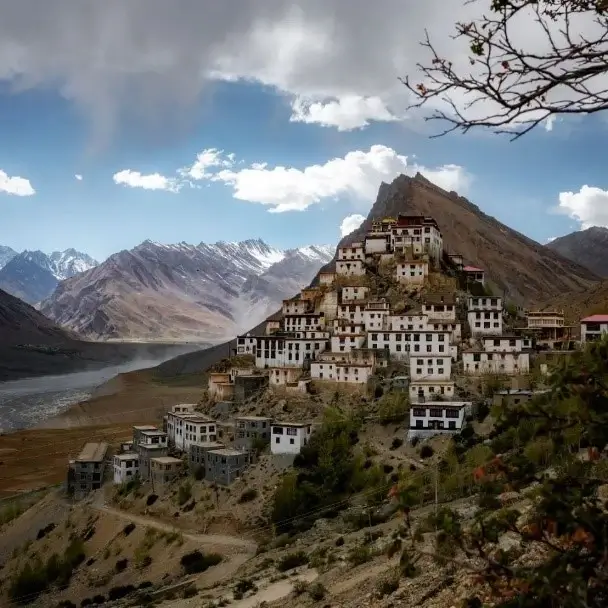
32 345
183 292
588 248
32 276
524 270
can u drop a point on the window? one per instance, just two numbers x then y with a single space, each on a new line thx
291 431
435 412
419 412
277 430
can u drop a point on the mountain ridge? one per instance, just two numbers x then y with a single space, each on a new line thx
204 292
32 275
588 248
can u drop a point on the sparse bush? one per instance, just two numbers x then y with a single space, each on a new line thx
426 451
195 561
44 531
317 591
359 555
339 541
128 529
248 495
98 600
189 591
292 560
388 585
393 408
151 500
66 604
121 565
199 473
300 587
117 593
242 587
396 443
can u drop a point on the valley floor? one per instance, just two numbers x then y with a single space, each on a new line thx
37 457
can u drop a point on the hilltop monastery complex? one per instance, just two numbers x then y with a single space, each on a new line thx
343 331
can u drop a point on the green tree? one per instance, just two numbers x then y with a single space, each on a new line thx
566 529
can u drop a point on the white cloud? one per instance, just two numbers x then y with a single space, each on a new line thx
209 158
350 223
347 113
356 176
152 181
340 61
78 177
17 186
589 206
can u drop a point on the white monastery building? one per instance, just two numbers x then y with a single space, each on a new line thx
430 367
289 437
485 315
425 390
477 363
126 467
412 271
350 268
438 416
593 327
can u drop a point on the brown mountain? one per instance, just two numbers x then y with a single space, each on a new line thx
32 345
588 248
524 270
593 301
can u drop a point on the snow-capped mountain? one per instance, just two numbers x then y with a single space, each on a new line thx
68 263
6 254
32 276
204 292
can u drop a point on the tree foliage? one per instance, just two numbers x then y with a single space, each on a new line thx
550 448
529 60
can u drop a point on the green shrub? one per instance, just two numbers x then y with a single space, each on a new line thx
359 555
292 560
189 591
426 451
248 495
121 565
388 585
195 561
317 592
396 443
117 593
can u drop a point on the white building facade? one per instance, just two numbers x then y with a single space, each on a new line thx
427 390
593 328
413 272
438 416
425 367
126 467
477 363
289 437
350 268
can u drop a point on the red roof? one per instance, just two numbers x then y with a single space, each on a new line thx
472 269
595 319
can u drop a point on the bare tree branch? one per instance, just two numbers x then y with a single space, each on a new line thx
523 86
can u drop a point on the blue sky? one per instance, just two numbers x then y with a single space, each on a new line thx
48 137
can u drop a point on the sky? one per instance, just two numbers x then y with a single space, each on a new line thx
121 122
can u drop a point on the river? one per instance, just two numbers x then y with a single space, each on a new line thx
27 402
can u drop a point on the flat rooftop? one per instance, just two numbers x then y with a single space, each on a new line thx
212 445
93 452
154 433
227 452
292 424
146 427
127 456
252 418
167 460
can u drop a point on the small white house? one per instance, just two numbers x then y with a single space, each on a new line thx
375 315
485 322
593 327
345 341
289 437
341 371
354 251
350 268
354 293
126 467
425 367
327 278
425 390
440 311
434 417
184 408
281 376
412 272
245 345
407 322
185 429
503 344
297 307
378 242
477 363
